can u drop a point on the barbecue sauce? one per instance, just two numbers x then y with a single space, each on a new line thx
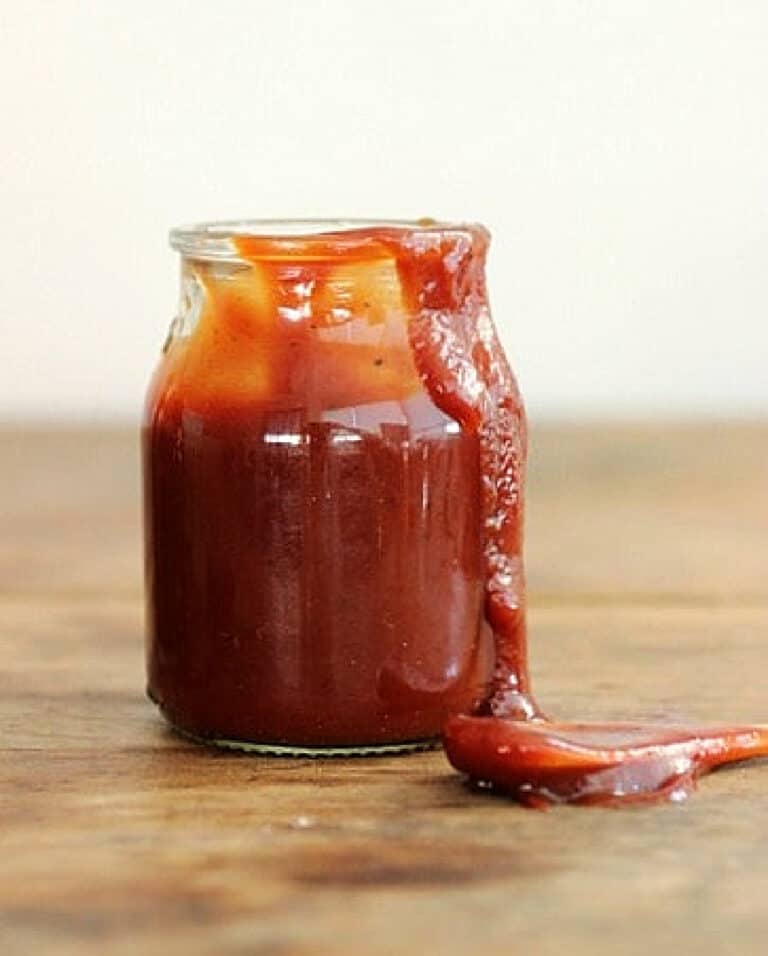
281 610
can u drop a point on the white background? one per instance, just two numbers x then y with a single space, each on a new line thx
618 150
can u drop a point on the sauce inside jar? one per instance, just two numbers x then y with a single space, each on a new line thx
315 555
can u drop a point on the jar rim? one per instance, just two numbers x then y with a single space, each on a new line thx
217 239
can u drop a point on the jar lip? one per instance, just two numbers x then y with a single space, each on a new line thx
285 237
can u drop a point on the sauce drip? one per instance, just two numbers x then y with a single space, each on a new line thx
465 371
512 748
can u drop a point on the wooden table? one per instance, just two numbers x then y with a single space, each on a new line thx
648 561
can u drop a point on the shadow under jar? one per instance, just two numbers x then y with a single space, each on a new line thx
316 561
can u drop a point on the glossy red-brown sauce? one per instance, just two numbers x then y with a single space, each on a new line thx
371 656
541 763
512 748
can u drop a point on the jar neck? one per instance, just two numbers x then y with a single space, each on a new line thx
337 272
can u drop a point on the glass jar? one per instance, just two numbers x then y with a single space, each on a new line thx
316 526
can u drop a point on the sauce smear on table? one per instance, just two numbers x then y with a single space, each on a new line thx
512 747
541 763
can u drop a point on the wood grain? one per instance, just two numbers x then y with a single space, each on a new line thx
648 552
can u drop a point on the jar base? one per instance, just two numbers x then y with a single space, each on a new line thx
261 749
313 753
317 753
